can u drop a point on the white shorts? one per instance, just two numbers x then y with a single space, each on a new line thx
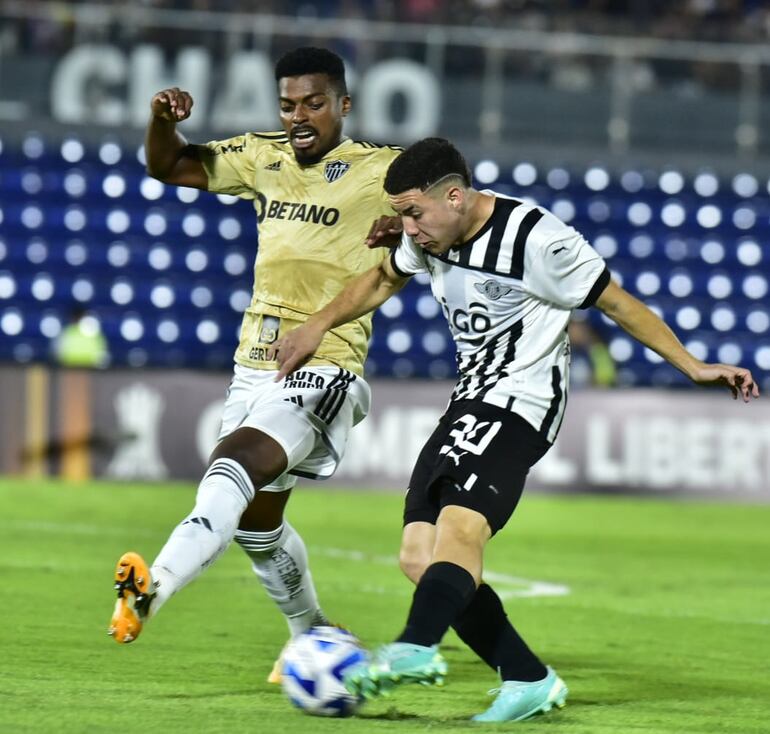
309 413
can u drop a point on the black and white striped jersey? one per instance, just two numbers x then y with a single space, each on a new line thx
507 294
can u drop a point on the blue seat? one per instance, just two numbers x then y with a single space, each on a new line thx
44 199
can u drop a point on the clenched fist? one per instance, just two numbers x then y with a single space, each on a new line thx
172 105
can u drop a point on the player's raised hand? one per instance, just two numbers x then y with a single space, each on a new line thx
737 379
384 232
295 348
173 105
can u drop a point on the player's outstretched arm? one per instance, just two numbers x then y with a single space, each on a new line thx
641 323
170 158
362 295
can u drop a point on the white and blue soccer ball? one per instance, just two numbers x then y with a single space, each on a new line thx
313 666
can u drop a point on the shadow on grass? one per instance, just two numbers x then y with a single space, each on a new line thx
393 714
203 695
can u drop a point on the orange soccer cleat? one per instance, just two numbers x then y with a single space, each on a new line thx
276 674
133 583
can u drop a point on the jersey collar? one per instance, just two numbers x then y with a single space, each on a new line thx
334 152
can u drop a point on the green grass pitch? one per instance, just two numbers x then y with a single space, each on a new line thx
665 627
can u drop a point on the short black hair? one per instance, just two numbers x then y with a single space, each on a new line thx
423 164
312 60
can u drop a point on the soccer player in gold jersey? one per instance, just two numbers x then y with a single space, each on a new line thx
316 193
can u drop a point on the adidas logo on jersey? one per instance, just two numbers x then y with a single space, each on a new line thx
273 166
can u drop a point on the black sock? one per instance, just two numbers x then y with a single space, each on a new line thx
485 628
443 592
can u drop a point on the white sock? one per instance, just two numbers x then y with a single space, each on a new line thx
279 559
223 494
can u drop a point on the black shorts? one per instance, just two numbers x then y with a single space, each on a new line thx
478 457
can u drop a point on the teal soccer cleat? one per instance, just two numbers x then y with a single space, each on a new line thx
518 700
393 664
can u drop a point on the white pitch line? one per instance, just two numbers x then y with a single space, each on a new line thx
74 528
506 586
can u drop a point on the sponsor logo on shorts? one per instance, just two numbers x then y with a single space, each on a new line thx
304 380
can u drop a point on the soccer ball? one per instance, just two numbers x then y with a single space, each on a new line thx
313 665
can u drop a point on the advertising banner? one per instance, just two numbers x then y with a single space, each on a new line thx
156 425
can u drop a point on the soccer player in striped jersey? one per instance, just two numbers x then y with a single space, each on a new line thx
507 275
316 193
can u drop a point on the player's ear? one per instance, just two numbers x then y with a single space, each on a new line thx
346 105
455 197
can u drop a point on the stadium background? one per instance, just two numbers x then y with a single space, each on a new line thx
645 124
642 124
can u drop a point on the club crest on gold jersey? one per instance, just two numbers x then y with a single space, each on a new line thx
335 169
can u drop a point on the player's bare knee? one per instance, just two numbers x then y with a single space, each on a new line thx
261 456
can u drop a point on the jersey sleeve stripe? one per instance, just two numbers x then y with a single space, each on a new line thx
398 270
597 289
527 225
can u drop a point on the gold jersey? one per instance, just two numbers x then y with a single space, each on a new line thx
312 224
